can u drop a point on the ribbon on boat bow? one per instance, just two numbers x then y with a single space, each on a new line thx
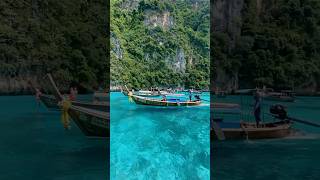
66 104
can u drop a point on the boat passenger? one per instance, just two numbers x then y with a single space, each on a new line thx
257 108
164 98
73 93
190 95
38 94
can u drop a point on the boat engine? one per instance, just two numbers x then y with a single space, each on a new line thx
279 111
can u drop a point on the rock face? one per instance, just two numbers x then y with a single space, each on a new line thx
253 44
226 18
155 19
130 4
16 85
160 43
177 62
116 48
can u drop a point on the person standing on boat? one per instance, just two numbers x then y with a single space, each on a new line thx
190 94
38 94
257 108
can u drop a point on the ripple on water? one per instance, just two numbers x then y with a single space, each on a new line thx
158 143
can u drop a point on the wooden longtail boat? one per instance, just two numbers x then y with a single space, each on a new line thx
148 93
159 102
92 118
49 101
224 105
100 106
233 130
91 122
125 91
282 97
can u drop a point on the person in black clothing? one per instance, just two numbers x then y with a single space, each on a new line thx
190 95
197 97
257 108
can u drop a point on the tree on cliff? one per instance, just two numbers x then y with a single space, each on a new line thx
160 43
67 38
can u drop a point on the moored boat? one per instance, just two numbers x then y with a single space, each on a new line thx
91 122
159 102
283 96
49 101
148 93
96 105
100 106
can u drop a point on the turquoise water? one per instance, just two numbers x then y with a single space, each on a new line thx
34 145
291 158
159 142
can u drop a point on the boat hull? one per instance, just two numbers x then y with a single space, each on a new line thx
155 102
49 101
92 123
99 106
279 129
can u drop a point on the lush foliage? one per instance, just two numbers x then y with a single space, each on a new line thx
144 55
67 38
279 45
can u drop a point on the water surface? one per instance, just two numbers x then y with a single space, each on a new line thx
159 142
34 145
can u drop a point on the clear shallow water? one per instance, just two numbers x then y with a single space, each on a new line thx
291 158
158 142
34 145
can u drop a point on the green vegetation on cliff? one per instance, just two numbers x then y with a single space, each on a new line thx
67 38
160 43
278 45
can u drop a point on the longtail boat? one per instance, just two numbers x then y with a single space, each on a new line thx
148 93
244 130
91 122
226 108
158 102
224 105
91 118
283 96
96 105
125 91
49 101
280 128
